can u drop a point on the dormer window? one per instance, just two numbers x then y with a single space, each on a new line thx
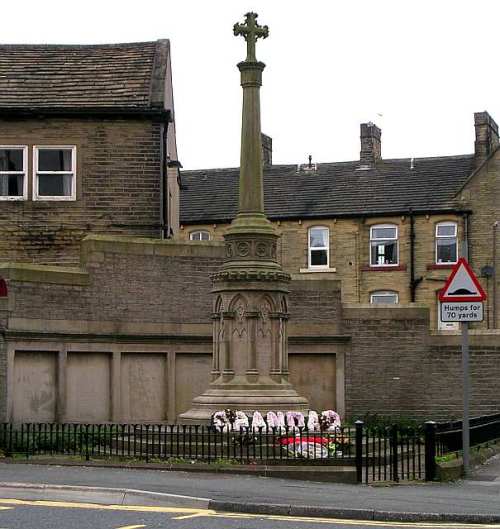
200 235
13 167
384 245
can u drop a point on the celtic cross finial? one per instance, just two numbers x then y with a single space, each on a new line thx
251 31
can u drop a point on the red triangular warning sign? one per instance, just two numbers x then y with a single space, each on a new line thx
462 285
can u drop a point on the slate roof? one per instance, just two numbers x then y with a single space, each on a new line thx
105 76
334 190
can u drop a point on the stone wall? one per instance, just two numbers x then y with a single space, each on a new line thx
394 367
127 336
132 322
117 188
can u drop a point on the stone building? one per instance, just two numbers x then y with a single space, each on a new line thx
389 230
87 145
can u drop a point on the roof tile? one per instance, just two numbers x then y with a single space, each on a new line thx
334 190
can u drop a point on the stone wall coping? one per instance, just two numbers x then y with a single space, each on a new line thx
368 311
477 337
108 327
32 273
149 246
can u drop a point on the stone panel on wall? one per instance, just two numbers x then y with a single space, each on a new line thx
88 387
192 377
34 387
314 377
143 387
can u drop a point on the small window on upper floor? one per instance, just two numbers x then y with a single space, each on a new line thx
13 177
384 245
446 243
384 297
54 173
319 247
200 235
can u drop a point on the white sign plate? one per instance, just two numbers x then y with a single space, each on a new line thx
461 311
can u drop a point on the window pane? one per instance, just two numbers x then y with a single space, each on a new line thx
384 298
319 258
384 233
447 230
199 236
11 160
55 185
11 185
54 159
446 250
318 237
384 253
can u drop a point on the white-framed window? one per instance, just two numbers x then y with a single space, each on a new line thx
200 235
54 172
446 243
445 325
384 297
384 250
319 247
13 172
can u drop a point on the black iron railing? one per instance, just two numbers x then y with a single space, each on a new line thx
161 442
482 430
378 453
390 453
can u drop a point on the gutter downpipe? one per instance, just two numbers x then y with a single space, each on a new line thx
413 281
164 228
495 226
465 243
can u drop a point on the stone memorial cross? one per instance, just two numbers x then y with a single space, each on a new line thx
251 31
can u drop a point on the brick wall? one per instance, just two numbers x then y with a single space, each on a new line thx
118 188
315 302
395 368
142 280
129 281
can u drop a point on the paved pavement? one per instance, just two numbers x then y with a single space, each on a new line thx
476 499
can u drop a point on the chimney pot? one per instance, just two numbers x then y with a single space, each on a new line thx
371 145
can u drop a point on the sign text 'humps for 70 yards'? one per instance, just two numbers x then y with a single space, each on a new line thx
462 311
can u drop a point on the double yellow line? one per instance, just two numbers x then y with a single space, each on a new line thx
185 513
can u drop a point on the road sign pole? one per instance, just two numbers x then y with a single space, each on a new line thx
466 393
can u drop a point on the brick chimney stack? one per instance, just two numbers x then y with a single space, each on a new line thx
486 136
371 145
267 149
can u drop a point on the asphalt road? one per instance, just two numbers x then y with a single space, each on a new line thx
476 497
17 514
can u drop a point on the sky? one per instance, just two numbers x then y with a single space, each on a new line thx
418 69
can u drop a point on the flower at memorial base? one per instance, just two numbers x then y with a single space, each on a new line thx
258 424
313 421
240 422
308 447
329 420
